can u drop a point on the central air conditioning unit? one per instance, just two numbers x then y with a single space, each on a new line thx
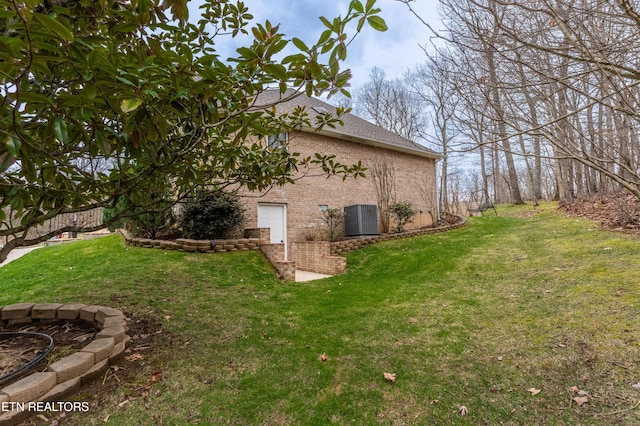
361 219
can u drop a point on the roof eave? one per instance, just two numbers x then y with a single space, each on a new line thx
375 143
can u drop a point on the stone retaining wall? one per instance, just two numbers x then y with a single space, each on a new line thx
202 246
346 246
63 377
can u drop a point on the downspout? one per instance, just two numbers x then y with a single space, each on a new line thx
437 195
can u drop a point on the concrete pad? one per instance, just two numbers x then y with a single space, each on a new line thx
303 276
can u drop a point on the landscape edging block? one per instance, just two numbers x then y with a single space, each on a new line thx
65 376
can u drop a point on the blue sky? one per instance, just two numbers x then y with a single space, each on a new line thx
395 50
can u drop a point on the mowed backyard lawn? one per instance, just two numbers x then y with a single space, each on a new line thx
525 318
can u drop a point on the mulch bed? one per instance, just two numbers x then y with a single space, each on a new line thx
68 337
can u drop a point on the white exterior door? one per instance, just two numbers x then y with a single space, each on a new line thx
274 217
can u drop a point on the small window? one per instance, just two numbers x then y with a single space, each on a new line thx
278 141
323 207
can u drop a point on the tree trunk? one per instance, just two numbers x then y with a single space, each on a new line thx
514 189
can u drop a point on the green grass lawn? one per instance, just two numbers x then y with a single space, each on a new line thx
474 317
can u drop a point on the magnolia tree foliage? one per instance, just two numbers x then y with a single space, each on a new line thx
101 98
154 218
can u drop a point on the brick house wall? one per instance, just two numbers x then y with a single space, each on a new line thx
414 181
316 256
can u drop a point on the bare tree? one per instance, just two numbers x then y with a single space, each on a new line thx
562 80
391 105
432 83
384 179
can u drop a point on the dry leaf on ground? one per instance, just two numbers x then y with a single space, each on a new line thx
390 377
581 400
533 391
324 357
134 357
575 389
153 379
463 411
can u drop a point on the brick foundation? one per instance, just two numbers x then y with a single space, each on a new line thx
315 256
275 254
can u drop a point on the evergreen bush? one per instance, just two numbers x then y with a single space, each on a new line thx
212 214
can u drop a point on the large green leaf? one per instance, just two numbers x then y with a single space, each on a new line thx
377 23
13 146
129 105
300 44
54 26
60 130
276 70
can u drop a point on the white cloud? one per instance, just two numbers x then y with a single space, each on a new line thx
398 49
395 50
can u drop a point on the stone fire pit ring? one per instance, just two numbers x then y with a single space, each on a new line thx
66 376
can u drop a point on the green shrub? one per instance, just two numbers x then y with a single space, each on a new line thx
333 217
403 213
212 214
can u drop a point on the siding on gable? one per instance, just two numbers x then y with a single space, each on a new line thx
414 178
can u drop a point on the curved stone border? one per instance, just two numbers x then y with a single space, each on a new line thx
347 246
202 246
65 376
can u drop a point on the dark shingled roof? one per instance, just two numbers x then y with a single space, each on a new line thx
355 129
